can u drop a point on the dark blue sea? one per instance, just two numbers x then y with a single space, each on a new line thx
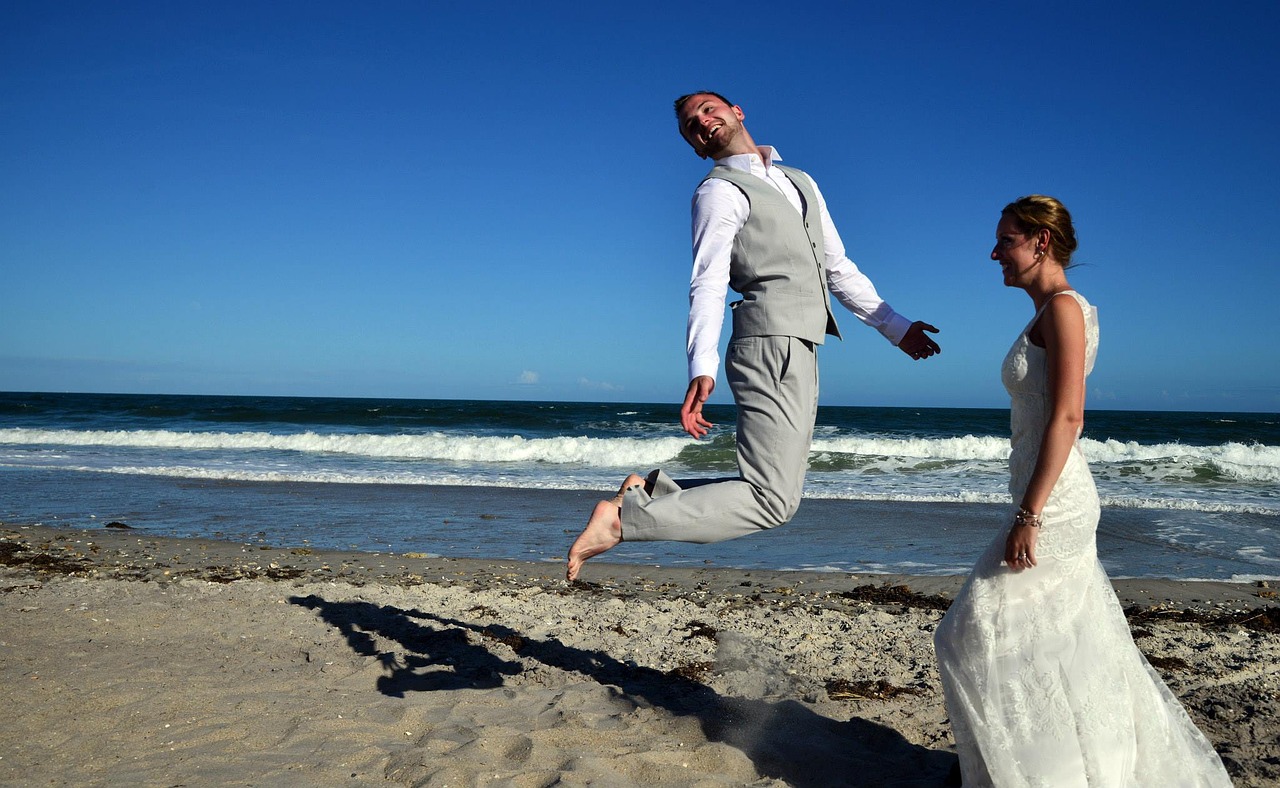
897 490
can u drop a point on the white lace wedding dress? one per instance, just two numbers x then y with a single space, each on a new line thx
1043 682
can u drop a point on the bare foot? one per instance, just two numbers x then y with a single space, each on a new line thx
603 532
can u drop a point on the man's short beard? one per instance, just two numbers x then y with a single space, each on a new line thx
717 144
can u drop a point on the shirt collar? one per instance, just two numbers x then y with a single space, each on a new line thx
754 163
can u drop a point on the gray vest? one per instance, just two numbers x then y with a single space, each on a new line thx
776 262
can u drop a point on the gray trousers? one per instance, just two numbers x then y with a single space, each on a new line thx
774 380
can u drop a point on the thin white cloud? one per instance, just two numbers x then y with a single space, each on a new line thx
598 385
528 378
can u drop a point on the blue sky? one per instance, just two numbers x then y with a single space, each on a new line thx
490 200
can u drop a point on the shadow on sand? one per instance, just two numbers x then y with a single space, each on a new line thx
784 739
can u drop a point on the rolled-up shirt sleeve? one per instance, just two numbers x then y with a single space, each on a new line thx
719 212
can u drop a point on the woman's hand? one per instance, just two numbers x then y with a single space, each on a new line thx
1020 547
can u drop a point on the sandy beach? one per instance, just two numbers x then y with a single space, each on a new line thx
132 660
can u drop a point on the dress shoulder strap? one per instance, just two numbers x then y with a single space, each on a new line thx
1090 325
1085 306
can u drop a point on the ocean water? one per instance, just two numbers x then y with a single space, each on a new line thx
1186 495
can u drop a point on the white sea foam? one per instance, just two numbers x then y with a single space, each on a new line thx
963 496
1184 504
606 452
1230 477
965 448
1243 461
329 477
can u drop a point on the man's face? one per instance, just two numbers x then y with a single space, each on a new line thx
709 125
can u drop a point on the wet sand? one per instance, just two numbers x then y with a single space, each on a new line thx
131 659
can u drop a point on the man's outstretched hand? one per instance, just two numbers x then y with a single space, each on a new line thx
917 344
691 417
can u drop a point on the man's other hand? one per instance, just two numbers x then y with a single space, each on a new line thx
917 344
691 417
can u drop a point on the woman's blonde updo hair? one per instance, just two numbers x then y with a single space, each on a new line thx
1037 212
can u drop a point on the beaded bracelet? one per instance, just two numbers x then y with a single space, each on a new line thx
1023 517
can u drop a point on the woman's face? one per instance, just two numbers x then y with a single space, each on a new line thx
1015 251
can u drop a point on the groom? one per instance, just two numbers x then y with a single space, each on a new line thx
763 230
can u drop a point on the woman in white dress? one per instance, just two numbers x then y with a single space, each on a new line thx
1044 685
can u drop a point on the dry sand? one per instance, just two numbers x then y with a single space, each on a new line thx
132 660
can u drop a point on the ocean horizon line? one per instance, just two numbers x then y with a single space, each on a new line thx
673 403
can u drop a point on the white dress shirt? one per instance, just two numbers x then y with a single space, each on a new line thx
720 210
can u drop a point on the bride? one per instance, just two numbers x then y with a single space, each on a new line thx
1043 682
